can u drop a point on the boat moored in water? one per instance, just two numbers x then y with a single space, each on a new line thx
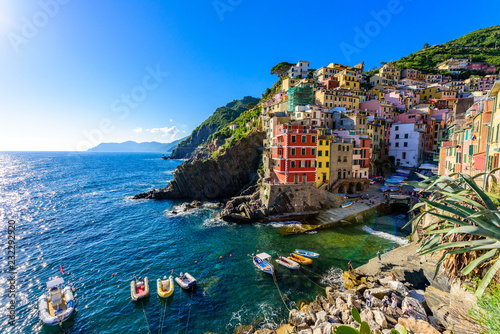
346 205
262 262
139 290
185 281
307 254
290 264
165 287
57 305
300 259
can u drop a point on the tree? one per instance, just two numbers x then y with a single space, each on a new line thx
468 234
426 45
250 105
281 68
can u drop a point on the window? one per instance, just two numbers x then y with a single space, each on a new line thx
313 139
303 139
303 151
320 142
345 158
405 144
313 151
397 136
327 164
326 153
319 164
340 147
320 153
339 159
397 128
404 155
293 139
397 144
406 135
347 148
293 151
292 164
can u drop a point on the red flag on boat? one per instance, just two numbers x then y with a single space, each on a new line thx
61 269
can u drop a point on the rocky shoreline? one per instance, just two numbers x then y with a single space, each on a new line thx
439 306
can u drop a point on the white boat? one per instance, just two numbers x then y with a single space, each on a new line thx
139 290
185 281
290 264
57 305
346 205
262 262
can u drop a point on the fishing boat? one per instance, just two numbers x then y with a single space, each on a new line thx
139 289
57 305
262 262
300 259
165 287
186 281
307 254
290 264
346 205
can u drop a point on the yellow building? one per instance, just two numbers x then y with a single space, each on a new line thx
347 79
331 98
437 92
391 73
323 157
329 71
360 122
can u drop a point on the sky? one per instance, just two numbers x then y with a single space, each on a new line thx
75 73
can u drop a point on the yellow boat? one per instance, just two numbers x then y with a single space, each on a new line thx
165 287
300 259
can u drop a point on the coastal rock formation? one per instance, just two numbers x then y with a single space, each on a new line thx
215 177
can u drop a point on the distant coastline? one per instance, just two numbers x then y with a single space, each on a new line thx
131 147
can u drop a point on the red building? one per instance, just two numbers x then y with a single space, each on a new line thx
485 67
294 153
331 83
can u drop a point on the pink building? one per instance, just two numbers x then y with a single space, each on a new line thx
485 67
378 108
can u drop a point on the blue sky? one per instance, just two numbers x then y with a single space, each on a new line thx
74 73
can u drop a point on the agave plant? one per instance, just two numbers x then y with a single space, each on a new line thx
468 233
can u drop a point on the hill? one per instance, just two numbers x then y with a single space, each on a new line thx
220 119
132 146
478 45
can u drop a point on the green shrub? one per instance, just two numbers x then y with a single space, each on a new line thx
487 312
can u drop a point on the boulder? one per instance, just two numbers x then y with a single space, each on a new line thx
334 311
195 204
352 301
417 326
248 329
366 315
381 292
418 308
321 317
379 318
341 305
306 331
285 329
360 289
347 317
264 331
297 318
396 286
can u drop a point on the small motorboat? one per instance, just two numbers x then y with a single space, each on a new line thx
262 262
307 254
164 157
165 287
57 305
300 259
346 205
290 264
186 281
139 289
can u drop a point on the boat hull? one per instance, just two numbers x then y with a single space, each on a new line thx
290 264
263 266
300 259
310 255
169 292
191 281
52 320
141 295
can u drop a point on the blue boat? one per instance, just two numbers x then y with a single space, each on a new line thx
261 261
307 254
346 205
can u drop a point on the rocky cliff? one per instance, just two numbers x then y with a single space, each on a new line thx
221 118
215 177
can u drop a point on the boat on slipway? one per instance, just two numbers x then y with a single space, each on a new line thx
58 304
262 262
307 254
290 264
346 205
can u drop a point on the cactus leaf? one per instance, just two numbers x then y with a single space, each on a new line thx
344 329
355 315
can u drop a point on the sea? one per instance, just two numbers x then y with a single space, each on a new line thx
75 211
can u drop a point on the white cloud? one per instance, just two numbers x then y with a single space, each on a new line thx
171 120
137 130
167 132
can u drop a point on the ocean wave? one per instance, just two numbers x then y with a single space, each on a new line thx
214 222
333 277
288 223
384 235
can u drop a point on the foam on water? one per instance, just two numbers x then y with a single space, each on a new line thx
380 234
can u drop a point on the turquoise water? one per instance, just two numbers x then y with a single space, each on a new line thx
75 210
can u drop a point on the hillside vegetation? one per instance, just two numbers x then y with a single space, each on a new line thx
220 119
478 45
